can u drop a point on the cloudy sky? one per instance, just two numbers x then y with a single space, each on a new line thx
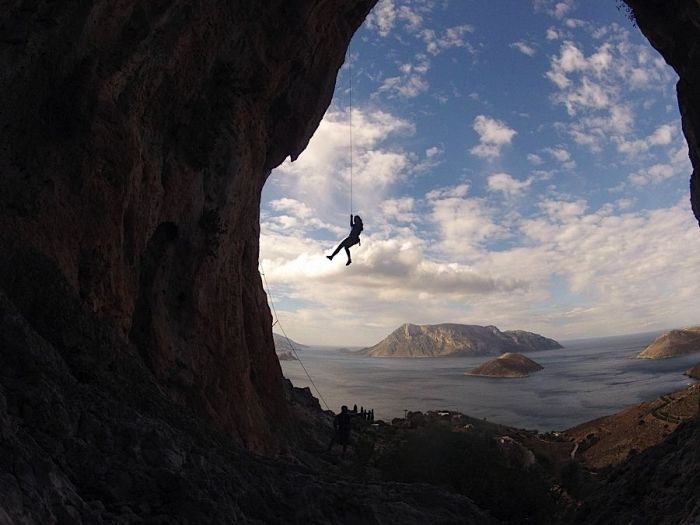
519 164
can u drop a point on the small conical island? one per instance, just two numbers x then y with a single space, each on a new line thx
673 343
507 365
693 372
456 340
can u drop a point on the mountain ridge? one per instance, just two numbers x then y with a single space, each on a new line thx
456 340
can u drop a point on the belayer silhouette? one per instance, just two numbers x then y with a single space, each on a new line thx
342 425
356 228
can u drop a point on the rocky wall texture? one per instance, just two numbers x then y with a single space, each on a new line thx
80 444
673 28
136 138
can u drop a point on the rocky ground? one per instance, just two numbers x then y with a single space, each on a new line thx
590 473
610 440
79 447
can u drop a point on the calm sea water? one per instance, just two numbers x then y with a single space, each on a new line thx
585 380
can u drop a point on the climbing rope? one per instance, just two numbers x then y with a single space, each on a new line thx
350 124
289 341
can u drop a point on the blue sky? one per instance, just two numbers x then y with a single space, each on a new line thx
515 163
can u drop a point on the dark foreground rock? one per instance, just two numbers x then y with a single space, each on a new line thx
76 447
137 364
673 28
136 139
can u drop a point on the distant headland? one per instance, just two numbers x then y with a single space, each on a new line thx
506 365
673 343
456 340
285 347
694 372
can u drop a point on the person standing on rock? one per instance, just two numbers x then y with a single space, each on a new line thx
356 228
342 425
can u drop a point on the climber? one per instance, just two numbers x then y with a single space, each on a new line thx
356 228
342 425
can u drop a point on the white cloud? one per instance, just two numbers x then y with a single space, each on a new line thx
293 206
464 223
561 9
534 159
662 136
449 38
413 20
320 177
524 48
507 184
411 82
614 278
652 175
563 211
434 152
409 86
493 135
561 154
382 18
553 34
400 210
476 252
596 90
555 8
624 204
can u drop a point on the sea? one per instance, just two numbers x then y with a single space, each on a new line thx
587 379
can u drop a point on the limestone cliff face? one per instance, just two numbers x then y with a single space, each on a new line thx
673 28
136 138
455 340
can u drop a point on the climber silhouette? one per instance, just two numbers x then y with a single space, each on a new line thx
356 228
342 425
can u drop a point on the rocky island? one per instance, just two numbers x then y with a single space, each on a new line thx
693 372
673 343
285 347
456 340
285 344
507 365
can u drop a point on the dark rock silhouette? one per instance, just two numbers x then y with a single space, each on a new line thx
672 28
454 340
136 141
507 365
673 343
137 362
